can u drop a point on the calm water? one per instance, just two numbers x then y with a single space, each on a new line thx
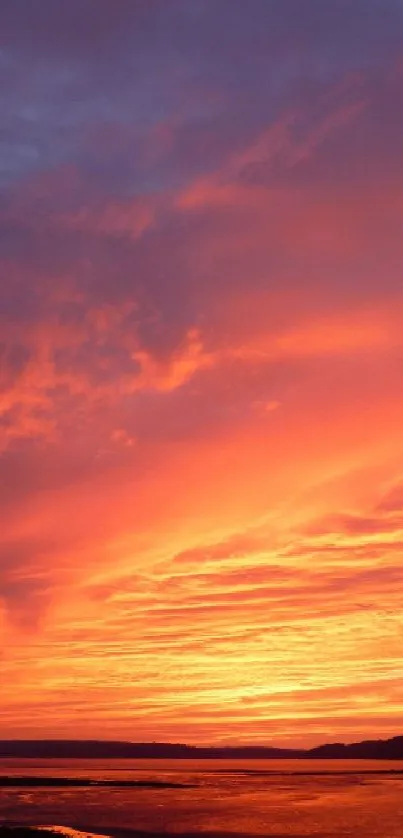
258 797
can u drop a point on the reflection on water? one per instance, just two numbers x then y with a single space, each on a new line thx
259 797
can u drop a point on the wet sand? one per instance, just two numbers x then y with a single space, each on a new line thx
204 799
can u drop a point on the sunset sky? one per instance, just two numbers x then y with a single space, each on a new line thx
201 361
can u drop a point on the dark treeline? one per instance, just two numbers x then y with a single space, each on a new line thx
94 749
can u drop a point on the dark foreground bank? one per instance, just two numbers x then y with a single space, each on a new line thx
66 832
25 832
82 782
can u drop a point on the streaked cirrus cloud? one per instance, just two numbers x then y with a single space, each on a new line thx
201 369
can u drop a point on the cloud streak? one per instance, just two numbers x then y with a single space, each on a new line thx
200 370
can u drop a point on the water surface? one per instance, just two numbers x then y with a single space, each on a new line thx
323 798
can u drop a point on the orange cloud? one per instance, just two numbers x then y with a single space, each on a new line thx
200 436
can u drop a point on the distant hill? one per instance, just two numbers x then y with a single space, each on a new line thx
369 749
94 749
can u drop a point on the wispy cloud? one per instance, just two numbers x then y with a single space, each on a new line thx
200 369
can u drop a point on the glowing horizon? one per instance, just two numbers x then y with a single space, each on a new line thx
201 371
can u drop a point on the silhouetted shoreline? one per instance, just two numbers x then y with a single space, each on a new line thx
80 782
388 749
85 782
11 831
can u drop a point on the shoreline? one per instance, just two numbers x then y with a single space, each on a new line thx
81 782
34 782
12 830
